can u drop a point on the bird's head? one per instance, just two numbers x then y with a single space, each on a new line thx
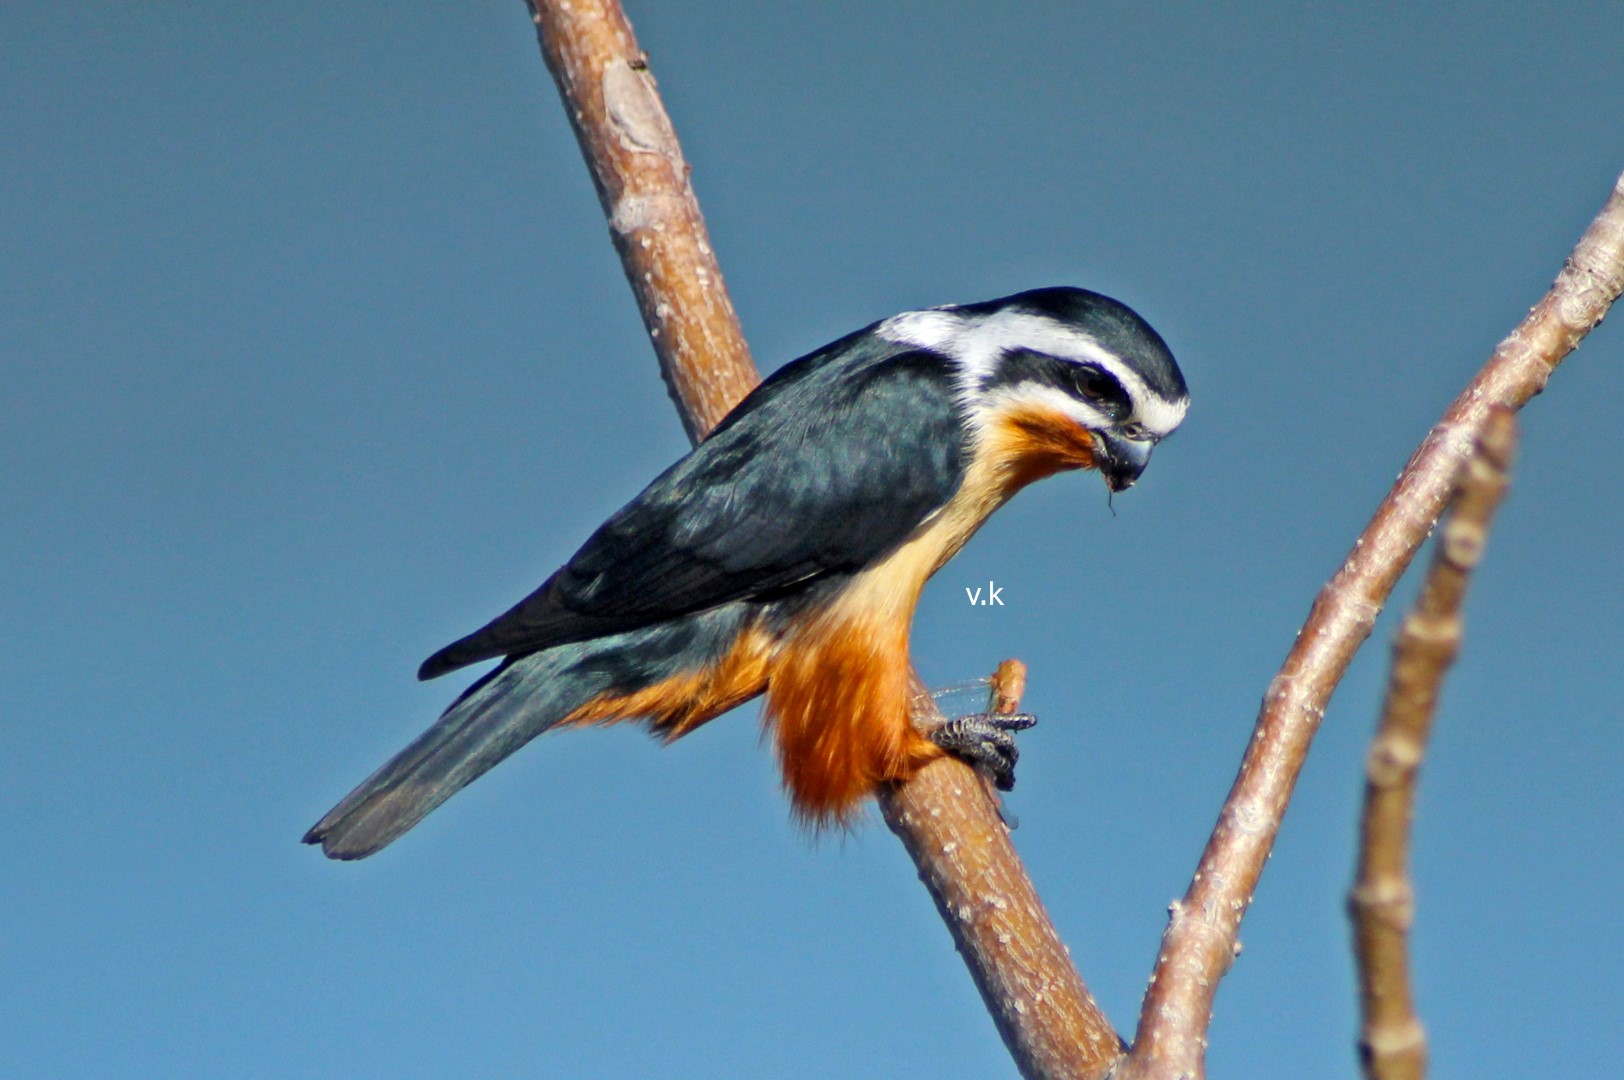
1061 376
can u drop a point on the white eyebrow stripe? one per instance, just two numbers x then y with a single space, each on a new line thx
978 344
1160 416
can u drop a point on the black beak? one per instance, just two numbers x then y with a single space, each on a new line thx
1122 460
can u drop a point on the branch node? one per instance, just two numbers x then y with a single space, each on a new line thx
1393 758
635 114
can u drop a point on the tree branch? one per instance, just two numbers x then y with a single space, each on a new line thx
944 816
1392 1043
1201 939
637 166
947 817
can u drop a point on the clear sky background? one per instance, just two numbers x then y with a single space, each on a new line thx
314 355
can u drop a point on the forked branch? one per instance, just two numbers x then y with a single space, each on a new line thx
632 152
1201 939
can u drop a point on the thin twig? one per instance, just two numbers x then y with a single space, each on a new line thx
945 819
1008 687
1392 1043
1201 939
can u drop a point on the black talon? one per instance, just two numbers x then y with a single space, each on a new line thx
987 741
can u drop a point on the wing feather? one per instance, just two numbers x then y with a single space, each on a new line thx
829 463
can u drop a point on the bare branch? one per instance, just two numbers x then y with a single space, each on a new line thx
946 820
1392 1043
947 817
637 166
1201 939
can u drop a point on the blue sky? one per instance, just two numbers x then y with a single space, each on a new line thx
316 356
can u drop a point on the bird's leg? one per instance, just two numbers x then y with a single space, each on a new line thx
985 740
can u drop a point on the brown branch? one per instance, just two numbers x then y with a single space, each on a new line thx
642 180
947 817
1392 1043
1201 938
944 816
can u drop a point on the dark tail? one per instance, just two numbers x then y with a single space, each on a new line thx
509 707
493 718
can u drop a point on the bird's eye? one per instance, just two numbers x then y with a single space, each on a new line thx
1100 389
1094 383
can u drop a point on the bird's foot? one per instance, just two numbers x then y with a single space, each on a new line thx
986 741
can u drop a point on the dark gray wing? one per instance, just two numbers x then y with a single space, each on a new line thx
824 467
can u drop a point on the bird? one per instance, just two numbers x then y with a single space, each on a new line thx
785 555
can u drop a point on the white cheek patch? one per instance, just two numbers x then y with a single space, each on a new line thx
1008 399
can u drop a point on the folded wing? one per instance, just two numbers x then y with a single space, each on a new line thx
834 460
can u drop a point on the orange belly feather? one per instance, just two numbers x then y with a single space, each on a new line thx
837 682
837 705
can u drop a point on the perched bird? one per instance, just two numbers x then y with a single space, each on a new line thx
786 553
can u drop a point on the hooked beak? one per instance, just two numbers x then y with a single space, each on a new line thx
1122 460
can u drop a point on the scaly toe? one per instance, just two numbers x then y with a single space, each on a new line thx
986 741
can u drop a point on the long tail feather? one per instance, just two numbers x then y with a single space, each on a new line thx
493 718
512 705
